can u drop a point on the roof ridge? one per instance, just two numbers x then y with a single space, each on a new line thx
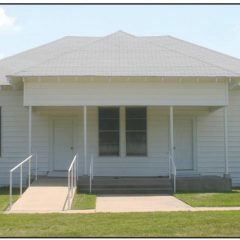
72 36
78 49
33 48
211 50
151 36
200 60
63 53
206 48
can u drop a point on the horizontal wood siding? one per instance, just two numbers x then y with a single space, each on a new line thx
14 132
210 132
209 138
64 93
234 136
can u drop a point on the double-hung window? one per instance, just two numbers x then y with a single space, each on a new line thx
108 131
136 131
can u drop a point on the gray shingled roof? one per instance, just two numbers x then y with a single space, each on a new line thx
120 54
18 62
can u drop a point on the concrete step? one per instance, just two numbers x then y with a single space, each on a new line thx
54 174
128 191
126 185
124 180
125 190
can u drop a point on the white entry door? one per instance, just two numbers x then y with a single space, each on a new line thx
62 143
183 129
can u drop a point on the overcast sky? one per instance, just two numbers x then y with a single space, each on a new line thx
23 27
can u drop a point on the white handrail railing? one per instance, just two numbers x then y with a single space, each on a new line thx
173 171
72 180
91 174
28 159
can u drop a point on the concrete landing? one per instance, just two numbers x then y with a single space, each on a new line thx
140 203
44 195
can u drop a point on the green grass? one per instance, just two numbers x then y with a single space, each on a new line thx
229 199
174 224
84 201
4 197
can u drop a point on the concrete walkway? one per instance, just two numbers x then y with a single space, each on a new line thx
44 195
147 203
204 209
42 198
141 203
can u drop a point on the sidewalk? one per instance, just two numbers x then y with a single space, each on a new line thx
140 203
116 204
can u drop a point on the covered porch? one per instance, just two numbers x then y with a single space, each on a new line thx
183 131
175 143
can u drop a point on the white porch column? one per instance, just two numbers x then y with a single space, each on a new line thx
171 135
173 169
226 139
171 131
85 138
30 130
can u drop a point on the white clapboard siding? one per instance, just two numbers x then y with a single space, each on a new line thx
103 92
234 136
210 132
209 138
14 132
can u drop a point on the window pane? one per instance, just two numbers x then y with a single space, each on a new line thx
108 112
108 150
109 137
136 143
136 112
135 124
136 127
108 124
108 131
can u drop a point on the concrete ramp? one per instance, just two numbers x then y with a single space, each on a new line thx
47 194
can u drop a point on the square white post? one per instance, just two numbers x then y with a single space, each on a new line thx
30 130
29 142
226 139
171 131
85 138
172 149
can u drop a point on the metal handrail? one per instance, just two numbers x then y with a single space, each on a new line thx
28 159
91 174
173 171
72 180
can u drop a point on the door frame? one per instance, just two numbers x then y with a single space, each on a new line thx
194 144
51 138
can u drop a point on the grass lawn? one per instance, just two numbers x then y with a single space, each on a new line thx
84 201
230 199
174 224
4 197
